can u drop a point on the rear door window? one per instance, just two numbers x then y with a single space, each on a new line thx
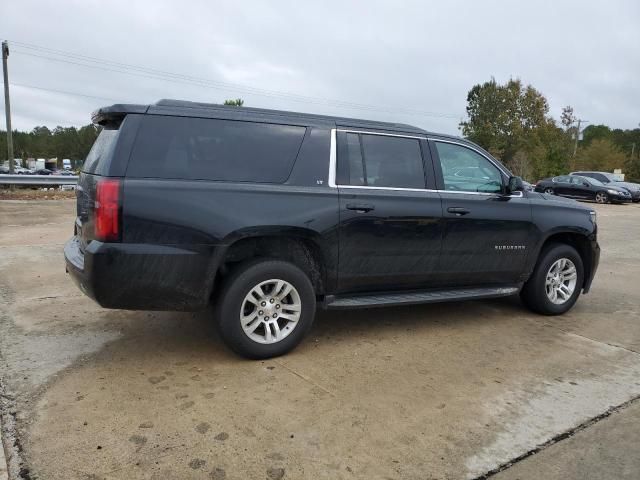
381 161
212 149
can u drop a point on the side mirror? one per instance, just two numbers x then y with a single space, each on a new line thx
586 184
515 185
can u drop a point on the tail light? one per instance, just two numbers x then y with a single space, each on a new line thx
107 210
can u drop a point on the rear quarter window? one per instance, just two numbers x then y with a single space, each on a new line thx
99 158
212 149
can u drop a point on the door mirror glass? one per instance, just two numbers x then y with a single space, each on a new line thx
586 184
515 185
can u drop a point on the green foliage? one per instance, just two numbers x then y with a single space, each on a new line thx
595 132
238 102
601 154
511 121
62 142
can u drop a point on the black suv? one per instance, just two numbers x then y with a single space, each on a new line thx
269 214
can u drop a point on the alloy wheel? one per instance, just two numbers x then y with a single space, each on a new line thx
602 197
561 281
270 311
548 191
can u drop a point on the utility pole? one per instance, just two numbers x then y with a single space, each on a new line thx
575 146
7 105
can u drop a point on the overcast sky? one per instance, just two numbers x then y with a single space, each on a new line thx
411 62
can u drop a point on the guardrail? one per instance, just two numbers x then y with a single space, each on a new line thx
38 179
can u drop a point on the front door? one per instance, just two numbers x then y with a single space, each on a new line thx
487 234
390 229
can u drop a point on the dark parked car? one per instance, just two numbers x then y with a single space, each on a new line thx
271 214
43 171
584 188
612 180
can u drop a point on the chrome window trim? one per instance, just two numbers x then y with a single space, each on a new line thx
333 165
383 134
332 160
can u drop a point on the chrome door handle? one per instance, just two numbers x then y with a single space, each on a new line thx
360 207
459 211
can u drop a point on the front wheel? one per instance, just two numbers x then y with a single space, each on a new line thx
554 286
602 197
548 191
265 308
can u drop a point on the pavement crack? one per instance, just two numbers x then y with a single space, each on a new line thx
630 350
305 378
601 342
558 438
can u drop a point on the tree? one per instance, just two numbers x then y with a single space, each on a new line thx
238 102
61 142
568 118
601 154
595 132
507 120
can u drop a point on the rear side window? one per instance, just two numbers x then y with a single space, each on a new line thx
381 161
561 179
97 162
211 149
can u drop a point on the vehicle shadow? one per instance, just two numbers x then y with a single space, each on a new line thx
195 335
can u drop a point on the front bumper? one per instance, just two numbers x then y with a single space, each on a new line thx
619 197
142 276
595 261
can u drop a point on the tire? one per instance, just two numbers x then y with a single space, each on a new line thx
535 295
237 305
549 191
602 197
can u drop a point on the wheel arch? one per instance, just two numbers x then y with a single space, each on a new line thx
579 241
296 245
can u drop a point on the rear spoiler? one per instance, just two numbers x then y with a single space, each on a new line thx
115 113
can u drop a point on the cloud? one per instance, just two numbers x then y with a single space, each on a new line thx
412 60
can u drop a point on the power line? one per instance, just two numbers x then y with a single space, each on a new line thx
233 86
145 72
64 92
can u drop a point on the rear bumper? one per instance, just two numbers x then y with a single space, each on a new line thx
142 276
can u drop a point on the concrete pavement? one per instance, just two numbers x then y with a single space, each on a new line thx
436 391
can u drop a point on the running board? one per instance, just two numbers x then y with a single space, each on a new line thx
412 298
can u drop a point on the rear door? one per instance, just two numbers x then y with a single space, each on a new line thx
562 185
486 234
95 167
108 157
390 229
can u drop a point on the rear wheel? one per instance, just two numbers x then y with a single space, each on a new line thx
548 191
265 308
602 197
554 286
